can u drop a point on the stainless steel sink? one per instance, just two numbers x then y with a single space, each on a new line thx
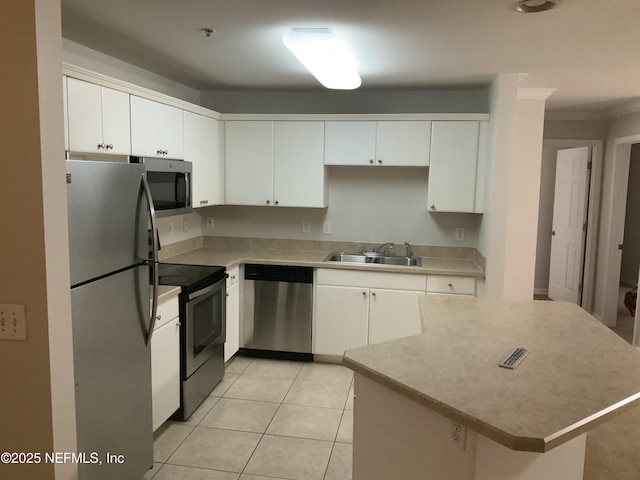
372 258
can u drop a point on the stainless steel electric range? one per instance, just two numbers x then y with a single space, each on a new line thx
202 329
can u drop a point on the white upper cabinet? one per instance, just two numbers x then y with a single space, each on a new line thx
350 143
274 163
383 143
201 148
299 172
98 119
156 129
248 163
454 166
403 143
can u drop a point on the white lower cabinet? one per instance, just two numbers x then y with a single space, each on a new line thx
394 314
451 285
342 316
232 342
165 362
357 308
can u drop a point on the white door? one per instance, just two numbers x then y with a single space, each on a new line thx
569 220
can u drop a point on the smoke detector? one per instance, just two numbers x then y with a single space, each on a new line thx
536 6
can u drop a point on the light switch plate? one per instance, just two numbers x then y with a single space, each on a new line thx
13 322
326 227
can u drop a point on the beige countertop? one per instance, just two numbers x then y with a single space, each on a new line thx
578 373
231 257
166 292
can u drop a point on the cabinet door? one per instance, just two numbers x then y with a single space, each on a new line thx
116 122
249 163
452 172
299 179
340 319
403 143
193 153
212 181
232 342
165 371
145 138
350 143
393 314
171 131
84 105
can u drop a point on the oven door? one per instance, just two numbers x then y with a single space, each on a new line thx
205 313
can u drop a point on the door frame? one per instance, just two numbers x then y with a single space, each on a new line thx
593 214
615 234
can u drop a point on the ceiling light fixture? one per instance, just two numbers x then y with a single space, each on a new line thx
536 6
325 55
208 32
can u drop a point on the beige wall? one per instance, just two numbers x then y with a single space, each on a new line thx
493 228
37 375
365 205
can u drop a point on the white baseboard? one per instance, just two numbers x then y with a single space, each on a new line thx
541 291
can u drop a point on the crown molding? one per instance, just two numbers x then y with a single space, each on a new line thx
574 116
627 109
535 93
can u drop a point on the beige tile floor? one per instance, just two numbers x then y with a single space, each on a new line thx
266 420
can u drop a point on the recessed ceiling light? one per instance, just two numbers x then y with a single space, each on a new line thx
536 6
325 55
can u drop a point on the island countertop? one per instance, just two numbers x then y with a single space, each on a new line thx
577 374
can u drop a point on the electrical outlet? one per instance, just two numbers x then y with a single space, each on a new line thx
170 228
306 226
185 225
459 435
13 322
460 234
209 222
326 227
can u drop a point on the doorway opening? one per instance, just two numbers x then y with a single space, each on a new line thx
586 277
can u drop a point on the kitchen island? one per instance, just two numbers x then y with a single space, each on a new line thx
437 405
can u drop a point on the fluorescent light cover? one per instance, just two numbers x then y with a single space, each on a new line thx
326 56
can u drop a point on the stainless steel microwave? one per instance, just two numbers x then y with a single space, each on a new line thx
170 184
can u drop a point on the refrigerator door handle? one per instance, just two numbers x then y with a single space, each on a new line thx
153 262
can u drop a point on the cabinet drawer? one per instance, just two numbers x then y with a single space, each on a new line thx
234 276
359 278
167 311
451 284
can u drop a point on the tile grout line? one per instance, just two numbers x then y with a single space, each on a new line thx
270 421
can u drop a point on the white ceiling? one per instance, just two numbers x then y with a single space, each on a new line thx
587 49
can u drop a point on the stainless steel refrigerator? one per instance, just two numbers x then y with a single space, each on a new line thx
111 269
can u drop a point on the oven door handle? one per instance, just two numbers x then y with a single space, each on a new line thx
204 291
153 262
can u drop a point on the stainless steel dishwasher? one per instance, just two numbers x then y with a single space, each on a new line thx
276 314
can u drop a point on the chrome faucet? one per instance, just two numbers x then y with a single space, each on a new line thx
380 248
408 253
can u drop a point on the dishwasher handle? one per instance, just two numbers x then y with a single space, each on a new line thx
278 273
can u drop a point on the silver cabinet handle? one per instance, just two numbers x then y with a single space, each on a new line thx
159 152
268 202
373 294
371 161
277 202
380 161
233 277
102 146
364 294
110 146
433 207
158 317
451 285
